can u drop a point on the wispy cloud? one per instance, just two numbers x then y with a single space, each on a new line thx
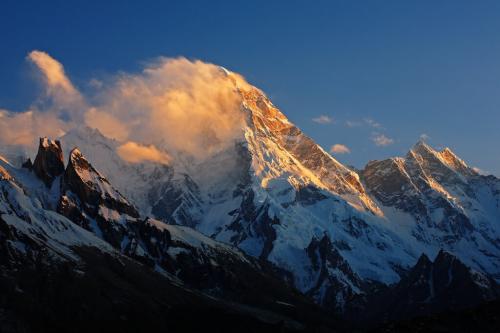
95 83
372 123
424 137
61 96
339 149
52 70
381 140
323 119
365 122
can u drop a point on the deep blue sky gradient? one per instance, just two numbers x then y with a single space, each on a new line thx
413 66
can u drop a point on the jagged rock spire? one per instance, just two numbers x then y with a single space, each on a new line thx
49 161
91 187
88 197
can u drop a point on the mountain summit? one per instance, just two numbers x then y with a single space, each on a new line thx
333 231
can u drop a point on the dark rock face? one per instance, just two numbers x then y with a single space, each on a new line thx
324 257
69 207
219 270
28 164
92 188
49 161
176 200
105 293
390 184
308 195
411 184
430 287
250 220
88 198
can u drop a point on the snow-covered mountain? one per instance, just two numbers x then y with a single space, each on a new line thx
278 196
68 227
441 203
81 196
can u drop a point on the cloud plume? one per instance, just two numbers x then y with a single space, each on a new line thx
52 114
182 105
135 153
172 105
61 96
53 71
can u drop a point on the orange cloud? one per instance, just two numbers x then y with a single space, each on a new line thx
24 128
135 153
107 124
52 114
189 106
183 106
339 149
52 70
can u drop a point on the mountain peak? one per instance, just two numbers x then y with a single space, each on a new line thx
280 149
79 163
423 261
76 154
422 147
49 160
445 158
93 189
420 142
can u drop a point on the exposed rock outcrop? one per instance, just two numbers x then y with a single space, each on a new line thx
423 184
49 162
28 164
89 200
431 287
93 189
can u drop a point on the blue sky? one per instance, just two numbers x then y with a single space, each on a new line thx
394 68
